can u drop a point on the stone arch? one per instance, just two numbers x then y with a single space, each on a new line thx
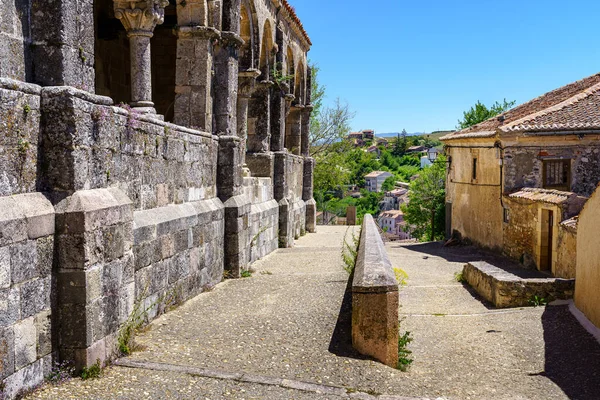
267 59
290 69
249 32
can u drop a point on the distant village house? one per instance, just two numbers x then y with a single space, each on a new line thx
374 180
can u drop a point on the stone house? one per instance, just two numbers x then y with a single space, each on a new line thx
515 180
374 180
147 148
394 198
393 220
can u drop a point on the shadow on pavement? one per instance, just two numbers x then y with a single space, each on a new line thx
341 339
572 354
465 254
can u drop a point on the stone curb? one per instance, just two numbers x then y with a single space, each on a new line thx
260 379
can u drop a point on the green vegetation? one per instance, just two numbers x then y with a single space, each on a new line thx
459 277
537 301
246 274
425 211
401 276
479 113
92 372
404 355
350 252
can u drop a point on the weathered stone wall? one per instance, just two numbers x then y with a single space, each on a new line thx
521 232
566 251
19 136
587 295
89 144
505 290
178 253
15 37
26 254
524 166
289 177
263 220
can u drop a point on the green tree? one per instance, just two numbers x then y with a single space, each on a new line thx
328 125
401 144
425 210
389 184
479 113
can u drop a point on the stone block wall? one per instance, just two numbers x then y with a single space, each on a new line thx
19 136
524 166
263 220
178 253
88 144
288 182
26 254
566 248
15 36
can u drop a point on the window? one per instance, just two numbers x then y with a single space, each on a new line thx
557 174
474 169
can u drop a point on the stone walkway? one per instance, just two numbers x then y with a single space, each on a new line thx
284 334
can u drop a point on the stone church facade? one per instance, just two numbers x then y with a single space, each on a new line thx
147 148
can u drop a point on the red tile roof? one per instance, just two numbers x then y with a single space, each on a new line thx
571 107
296 20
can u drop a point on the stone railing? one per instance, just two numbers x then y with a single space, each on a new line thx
374 299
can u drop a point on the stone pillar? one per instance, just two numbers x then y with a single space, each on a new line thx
278 116
259 132
307 194
247 85
305 134
62 45
226 84
294 130
139 20
193 101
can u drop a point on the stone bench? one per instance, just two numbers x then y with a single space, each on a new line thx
374 299
504 289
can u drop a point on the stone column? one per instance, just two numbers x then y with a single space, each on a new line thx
278 116
193 101
139 20
259 133
226 84
247 86
308 193
294 130
305 139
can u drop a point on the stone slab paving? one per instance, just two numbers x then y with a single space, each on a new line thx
284 333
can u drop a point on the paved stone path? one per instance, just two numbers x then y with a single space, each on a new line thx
284 334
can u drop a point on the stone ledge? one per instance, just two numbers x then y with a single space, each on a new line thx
25 216
375 299
11 84
504 289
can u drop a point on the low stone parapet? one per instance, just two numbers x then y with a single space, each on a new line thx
374 299
504 289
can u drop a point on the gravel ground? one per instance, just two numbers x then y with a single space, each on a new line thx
290 320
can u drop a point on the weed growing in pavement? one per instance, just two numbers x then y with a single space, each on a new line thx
92 372
537 301
350 252
404 354
459 277
401 276
246 274
61 372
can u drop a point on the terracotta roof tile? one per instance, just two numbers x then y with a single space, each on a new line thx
296 20
571 223
541 107
543 195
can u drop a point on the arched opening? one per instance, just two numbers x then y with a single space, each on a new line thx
164 63
266 52
246 52
112 64
290 72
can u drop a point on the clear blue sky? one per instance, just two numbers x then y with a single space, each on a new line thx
418 64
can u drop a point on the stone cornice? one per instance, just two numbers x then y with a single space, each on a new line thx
231 39
203 32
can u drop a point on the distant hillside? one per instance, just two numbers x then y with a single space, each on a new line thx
433 135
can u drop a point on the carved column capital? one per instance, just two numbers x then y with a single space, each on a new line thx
247 82
140 17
